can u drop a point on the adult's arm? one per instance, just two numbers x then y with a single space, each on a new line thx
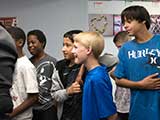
8 57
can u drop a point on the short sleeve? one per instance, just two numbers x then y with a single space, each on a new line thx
30 79
120 68
104 99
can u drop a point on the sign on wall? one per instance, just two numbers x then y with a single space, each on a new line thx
8 21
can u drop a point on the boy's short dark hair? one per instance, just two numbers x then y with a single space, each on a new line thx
40 36
121 36
138 13
70 34
17 33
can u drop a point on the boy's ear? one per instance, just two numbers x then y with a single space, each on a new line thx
20 42
144 22
42 44
89 50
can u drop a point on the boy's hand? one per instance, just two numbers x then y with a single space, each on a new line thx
150 82
74 88
80 74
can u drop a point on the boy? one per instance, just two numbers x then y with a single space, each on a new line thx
87 48
122 95
120 38
45 109
139 63
68 71
24 90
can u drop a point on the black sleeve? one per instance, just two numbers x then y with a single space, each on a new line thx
60 66
8 57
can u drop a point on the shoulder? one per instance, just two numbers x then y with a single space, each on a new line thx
46 68
7 44
52 59
109 60
25 58
61 63
25 63
157 36
47 61
129 43
98 73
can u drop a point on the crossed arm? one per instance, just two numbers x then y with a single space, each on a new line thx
32 98
151 82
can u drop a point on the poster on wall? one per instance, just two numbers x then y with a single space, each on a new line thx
117 24
102 23
8 21
155 24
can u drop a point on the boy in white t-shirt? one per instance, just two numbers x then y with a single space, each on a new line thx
24 90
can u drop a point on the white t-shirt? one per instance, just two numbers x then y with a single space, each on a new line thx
24 82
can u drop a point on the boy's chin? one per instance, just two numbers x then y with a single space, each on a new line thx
77 61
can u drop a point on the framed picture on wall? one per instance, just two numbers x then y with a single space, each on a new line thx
117 24
102 23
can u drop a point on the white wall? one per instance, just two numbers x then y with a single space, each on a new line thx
54 17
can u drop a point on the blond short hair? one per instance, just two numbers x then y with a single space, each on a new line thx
93 40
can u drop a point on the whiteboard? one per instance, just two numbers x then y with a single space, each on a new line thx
116 7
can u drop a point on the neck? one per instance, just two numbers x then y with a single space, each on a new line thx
143 36
38 57
91 63
71 63
20 53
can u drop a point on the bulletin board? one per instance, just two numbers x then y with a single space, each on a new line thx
8 21
104 16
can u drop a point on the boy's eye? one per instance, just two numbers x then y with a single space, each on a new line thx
75 47
129 21
67 45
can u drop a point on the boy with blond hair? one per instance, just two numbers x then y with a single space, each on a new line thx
87 48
